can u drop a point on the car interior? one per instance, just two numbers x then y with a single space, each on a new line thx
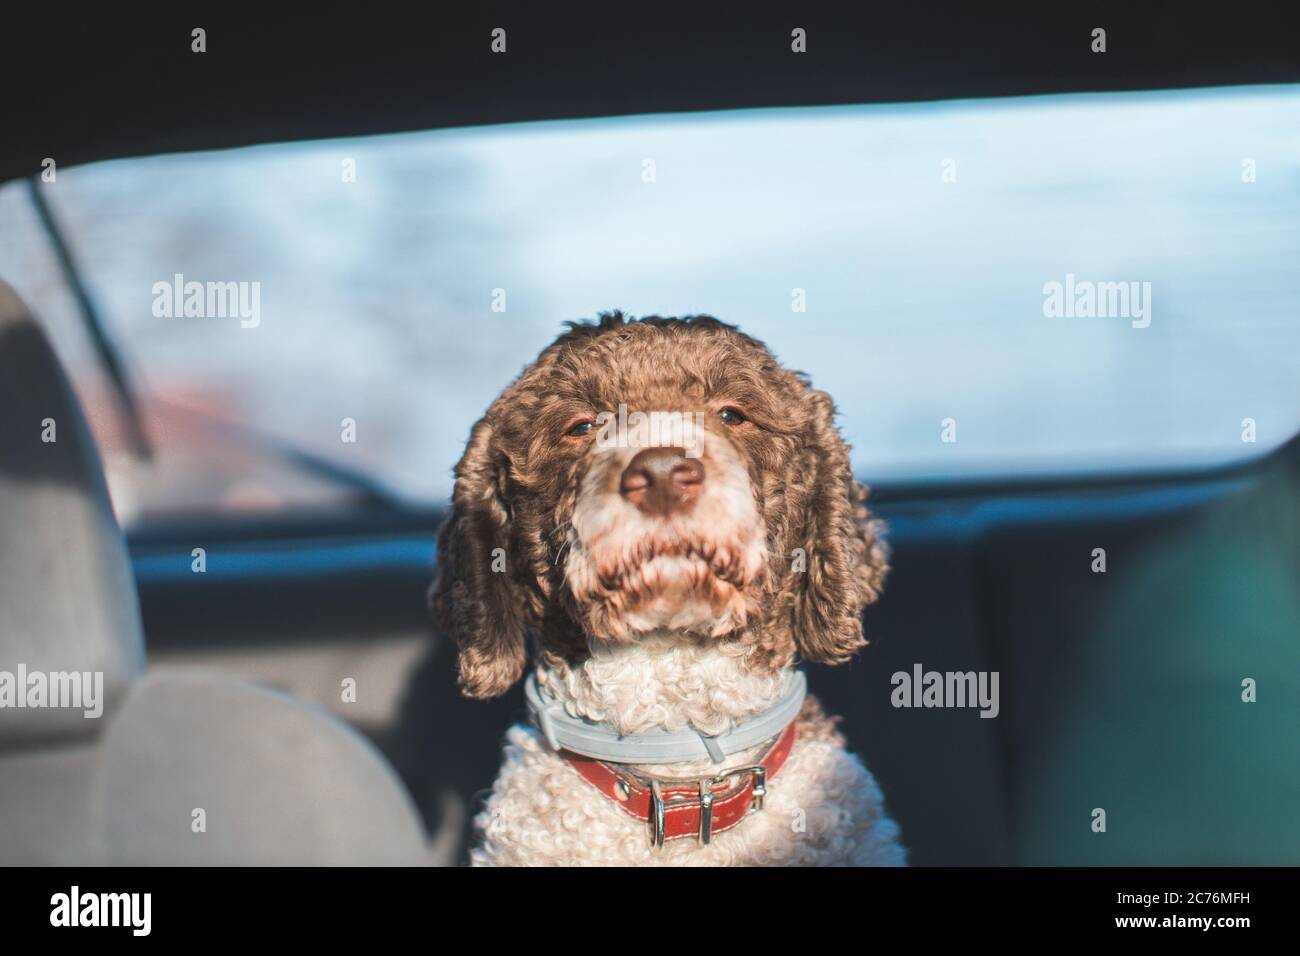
227 702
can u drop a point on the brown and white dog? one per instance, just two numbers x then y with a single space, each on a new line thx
669 582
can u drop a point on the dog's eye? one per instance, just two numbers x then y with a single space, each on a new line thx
730 416
582 428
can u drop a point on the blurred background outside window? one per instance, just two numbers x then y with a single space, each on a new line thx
917 239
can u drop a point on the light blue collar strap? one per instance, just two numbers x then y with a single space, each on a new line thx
563 731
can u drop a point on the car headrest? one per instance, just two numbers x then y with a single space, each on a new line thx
68 604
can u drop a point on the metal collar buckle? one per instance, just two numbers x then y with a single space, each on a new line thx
658 805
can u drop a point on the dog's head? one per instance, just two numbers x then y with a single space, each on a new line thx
661 475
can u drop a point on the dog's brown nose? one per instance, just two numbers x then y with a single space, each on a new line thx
660 481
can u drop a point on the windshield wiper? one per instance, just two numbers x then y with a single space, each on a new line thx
104 347
371 492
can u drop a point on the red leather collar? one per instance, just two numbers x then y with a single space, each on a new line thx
699 808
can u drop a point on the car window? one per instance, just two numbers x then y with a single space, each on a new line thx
1040 285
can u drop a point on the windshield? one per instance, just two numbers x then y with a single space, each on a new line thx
1029 286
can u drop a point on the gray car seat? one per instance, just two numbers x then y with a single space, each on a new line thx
181 767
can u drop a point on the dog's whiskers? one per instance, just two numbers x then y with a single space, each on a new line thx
565 529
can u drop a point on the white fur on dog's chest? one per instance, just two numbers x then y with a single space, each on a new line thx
823 808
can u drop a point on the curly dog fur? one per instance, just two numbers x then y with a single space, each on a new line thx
647 620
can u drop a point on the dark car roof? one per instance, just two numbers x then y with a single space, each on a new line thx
120 82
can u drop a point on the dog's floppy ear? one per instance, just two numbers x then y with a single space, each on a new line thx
845 555
474 597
